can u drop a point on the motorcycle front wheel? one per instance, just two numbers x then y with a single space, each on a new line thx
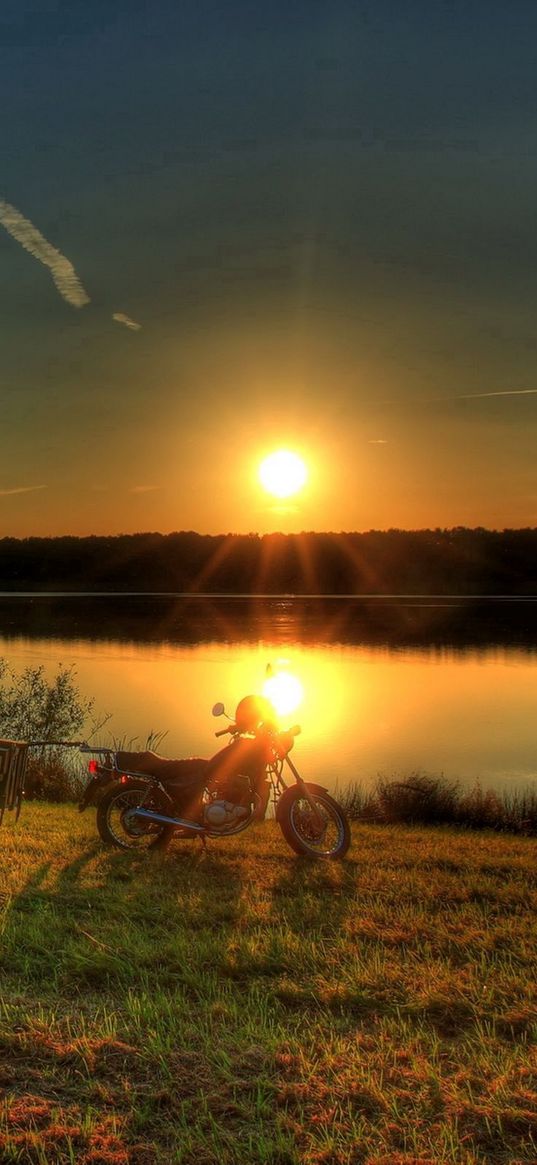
134 833
323 832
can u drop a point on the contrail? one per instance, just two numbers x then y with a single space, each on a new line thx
62 271
433 400
21 489
503 392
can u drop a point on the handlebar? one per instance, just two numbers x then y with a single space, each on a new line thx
232 728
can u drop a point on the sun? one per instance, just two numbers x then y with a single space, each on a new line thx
283 473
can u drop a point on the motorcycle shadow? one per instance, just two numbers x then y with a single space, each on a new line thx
305 887
109 917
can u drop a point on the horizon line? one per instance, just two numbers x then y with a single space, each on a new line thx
274 533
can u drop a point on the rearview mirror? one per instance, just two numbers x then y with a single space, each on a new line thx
218 710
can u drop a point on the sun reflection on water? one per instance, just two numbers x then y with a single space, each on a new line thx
309 685
285 692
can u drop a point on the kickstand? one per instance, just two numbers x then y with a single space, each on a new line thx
203 842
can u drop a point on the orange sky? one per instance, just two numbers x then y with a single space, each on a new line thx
314 229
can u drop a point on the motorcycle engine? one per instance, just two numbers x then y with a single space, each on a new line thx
230 801
220 814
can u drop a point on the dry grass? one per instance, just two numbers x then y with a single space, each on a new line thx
247 1006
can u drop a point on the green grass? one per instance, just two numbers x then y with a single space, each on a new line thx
247 1006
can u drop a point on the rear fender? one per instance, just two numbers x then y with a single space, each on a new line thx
94 790
290 794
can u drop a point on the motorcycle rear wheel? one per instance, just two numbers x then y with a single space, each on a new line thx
116 829
324 834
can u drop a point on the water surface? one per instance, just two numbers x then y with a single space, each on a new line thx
389 686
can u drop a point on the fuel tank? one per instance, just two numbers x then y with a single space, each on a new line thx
246 756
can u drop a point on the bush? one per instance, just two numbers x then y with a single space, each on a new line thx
419 800
35 708
520 810
481 809
428 800
53 775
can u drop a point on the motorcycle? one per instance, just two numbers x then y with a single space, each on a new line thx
144 800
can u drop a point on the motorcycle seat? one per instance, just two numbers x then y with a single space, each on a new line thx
149 764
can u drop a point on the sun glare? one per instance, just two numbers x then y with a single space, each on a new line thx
282 473
284 691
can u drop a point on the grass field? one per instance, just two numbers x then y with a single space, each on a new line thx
247 1006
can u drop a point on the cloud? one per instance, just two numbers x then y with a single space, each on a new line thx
21 489
121 318
62 271
143 489
378 441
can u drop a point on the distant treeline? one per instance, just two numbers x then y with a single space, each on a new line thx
459 561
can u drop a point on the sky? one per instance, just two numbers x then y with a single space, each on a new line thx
230 227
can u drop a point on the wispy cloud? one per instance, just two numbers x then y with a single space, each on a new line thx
378 441
143 489
121 318
21 489
62 271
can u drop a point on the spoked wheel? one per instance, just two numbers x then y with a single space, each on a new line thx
320 832
117 826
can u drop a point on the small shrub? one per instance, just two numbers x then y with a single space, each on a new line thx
481 809
521 811
419 800
54 774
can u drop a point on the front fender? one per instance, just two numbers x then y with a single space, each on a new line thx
290 794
